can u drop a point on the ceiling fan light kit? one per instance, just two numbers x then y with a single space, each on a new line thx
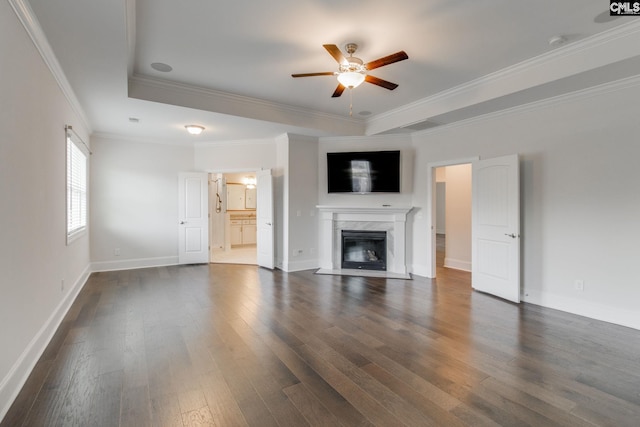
350 79
352 71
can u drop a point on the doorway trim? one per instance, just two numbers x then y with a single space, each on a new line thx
431 206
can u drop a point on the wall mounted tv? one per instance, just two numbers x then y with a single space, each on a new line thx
364 172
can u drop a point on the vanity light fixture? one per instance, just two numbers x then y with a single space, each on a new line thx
249 182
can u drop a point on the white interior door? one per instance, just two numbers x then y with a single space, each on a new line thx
193 218
496 227
264 199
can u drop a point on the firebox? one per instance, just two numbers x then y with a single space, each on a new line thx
364 249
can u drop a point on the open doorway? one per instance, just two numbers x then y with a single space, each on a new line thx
451 215
232 213
441 217
495 231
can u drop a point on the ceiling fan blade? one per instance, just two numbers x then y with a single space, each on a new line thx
382 83
338 91
336 53
398 56
324 73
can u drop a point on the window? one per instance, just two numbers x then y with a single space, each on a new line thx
76 189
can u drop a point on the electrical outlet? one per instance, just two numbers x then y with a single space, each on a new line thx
62 285
116 251
578 285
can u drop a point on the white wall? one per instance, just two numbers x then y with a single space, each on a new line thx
579 190
281 199
34 256
441 204
458 217
135 202
235 156
136 189
302 218
441 199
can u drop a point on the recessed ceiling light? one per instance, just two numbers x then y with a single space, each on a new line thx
194 129
162 67
556 41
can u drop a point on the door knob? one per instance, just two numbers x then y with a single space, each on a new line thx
513 236
183 222
268 223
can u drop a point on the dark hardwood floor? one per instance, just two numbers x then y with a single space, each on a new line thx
234 345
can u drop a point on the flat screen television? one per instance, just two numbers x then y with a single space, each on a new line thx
364 172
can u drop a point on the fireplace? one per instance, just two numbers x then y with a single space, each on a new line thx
389 220
364 249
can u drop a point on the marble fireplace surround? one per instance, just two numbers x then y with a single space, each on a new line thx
334 219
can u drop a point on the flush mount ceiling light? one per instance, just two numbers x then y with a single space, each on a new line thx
194 129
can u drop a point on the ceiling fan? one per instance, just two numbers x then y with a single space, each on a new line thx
352 71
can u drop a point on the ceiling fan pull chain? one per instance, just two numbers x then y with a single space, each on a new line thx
350 102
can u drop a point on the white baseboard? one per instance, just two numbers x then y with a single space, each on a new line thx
20 371
419 270
292 266
363 273
457 264
130 264
592 310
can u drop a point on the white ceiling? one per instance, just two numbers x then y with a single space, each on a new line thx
233 59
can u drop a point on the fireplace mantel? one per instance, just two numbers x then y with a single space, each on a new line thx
389 218
346 210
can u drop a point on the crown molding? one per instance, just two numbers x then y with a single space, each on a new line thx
173 93
583 94
397 137
30 23
610 46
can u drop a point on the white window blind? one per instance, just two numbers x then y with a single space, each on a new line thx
76 189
